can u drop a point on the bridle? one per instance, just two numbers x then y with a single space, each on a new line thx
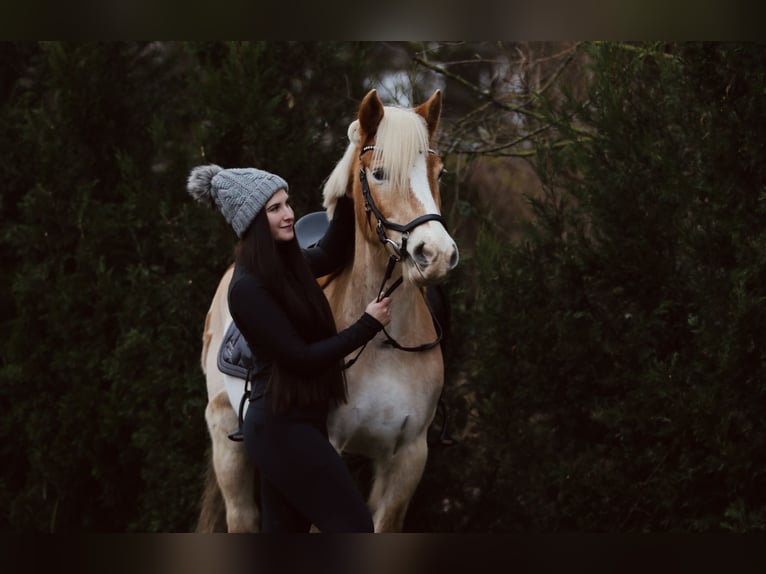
383 223
400 253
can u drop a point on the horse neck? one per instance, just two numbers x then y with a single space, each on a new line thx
363 283
369 267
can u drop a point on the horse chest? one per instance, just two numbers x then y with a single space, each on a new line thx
387 407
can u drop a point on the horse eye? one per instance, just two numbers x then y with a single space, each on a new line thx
441 173
379 173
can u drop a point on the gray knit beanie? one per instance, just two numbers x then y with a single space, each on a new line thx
238 193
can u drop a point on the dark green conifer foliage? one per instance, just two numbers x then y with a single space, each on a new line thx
616 354
109 266
610 364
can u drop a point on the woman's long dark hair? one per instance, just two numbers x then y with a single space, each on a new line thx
285 272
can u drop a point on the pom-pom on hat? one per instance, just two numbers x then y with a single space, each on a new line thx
239 193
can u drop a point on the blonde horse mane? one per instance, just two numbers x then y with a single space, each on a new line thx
402 135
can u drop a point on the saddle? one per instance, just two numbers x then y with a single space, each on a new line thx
235 358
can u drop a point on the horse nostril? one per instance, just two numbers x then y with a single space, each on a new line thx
453 258
422 254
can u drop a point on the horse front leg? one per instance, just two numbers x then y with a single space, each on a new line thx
394 483
233 469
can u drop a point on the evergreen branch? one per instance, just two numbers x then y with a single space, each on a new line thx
634 48
485 94
557 73
525 153
474 88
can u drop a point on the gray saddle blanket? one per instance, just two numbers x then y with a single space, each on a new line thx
235 357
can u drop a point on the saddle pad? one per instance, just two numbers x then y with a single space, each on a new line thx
235 357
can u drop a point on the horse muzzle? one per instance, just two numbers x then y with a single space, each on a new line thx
430 258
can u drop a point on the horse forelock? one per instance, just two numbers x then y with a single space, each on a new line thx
401 138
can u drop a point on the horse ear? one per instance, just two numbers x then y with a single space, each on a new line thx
431 110
370 113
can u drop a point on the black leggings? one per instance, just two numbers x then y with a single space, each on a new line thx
303 479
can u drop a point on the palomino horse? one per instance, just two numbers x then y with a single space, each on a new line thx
394 382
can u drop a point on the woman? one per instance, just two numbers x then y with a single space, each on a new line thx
287 322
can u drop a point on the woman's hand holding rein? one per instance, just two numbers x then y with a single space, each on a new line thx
380 310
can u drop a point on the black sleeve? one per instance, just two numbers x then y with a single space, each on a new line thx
337 245
265 325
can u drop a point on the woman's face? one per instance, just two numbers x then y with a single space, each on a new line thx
281 216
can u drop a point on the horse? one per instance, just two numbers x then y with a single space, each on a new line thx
391 172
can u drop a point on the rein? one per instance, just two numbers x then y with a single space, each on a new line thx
400 250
